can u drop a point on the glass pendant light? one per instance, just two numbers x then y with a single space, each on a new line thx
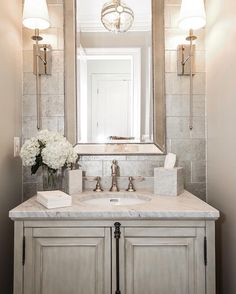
117 17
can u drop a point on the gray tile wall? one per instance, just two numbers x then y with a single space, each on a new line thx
189 146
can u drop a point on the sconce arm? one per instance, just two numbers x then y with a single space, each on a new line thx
186 60
43 60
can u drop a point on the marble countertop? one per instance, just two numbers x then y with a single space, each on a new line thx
185 206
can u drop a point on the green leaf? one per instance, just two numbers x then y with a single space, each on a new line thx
36 166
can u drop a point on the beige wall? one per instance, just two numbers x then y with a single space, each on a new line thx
10 126
221 103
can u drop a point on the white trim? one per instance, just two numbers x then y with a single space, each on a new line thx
82 91
96 27
90 23
117 149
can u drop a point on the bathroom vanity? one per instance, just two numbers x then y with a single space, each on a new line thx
129 243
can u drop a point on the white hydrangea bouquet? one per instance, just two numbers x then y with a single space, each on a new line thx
50 150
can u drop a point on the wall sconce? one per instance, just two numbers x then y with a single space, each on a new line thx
192 17
36 17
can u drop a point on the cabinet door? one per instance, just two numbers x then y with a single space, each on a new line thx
67 261
164 261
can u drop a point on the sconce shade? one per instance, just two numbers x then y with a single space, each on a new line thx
192 15
35 14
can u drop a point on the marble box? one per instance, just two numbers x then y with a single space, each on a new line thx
168 182
74 181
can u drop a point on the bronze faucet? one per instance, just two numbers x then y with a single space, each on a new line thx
114 174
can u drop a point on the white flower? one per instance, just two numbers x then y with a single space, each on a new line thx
55 154
46 137
29 151
72 155
55 151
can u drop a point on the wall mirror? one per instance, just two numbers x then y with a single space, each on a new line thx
114 76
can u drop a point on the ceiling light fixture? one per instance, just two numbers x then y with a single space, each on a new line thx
117 17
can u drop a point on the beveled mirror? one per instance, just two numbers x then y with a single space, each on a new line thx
115 76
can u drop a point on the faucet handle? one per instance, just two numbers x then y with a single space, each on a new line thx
98 185
131 185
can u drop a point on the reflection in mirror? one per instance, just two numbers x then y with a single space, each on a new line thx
114 72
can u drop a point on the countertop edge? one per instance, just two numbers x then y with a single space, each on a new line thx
105 216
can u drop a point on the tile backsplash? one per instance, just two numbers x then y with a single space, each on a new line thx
189 146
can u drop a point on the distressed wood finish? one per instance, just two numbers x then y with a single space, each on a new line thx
70 70
110 223
65 262
158 35
18 253
156 256
108 262
211 269
159 145
164 263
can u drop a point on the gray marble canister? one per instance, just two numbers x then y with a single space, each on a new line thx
168 182
74 181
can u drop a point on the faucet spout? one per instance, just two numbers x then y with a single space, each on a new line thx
114 174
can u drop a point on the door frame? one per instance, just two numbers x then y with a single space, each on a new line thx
132 54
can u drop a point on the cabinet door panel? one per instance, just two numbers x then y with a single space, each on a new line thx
164 265
159 266
67 265
70 265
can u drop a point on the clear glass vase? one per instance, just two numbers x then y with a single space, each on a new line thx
52 180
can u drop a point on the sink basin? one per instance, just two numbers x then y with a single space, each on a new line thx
115 199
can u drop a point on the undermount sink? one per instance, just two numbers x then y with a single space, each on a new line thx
115 199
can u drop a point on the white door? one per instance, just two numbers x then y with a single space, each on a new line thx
111 106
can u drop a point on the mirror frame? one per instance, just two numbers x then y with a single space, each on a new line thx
158 41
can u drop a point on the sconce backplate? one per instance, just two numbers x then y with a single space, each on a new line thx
45 59
183 60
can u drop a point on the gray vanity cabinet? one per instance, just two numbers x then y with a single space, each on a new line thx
164 260
67 261
99 257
